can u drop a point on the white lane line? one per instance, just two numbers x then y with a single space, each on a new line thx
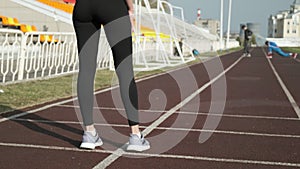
193 113
168 128
170 156
227 160
110 159
286 91
98 92
52 147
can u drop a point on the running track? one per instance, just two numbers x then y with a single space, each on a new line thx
258 129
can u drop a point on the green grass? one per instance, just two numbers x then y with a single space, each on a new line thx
26 94
291 49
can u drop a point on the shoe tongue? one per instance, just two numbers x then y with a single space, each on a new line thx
93 133
139 135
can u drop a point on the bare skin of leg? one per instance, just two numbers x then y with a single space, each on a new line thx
134 129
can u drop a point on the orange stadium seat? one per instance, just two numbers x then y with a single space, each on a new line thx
13 22
27 28
4 21
43 38
10 22
48 38
1 21
33 28
58 5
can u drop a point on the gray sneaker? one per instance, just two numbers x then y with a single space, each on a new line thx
90 142
137 143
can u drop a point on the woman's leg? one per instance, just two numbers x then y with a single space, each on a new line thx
87 39
118 33
87 34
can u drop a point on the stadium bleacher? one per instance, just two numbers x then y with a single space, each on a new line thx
67 6
61 5
13 23
64 5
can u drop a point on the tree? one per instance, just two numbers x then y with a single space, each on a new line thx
253 39
239 40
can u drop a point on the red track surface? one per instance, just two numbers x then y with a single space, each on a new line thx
259 127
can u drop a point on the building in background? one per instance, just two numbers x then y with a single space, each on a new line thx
285 24
254 27
212 25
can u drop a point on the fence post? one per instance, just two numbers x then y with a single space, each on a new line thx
22 57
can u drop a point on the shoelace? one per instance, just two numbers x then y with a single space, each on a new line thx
143 139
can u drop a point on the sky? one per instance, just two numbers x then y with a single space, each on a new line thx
243 11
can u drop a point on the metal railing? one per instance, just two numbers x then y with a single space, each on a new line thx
47 54
10 50
36 55
162 20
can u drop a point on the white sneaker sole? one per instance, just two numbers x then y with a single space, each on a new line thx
91 145
137 148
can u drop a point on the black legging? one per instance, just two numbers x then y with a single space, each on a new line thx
88 16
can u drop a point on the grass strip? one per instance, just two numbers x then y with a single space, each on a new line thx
26 94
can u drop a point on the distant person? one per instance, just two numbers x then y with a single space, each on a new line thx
247 40
116 18
176 52
272 46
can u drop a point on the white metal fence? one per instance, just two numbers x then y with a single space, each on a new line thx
36 55
10 47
